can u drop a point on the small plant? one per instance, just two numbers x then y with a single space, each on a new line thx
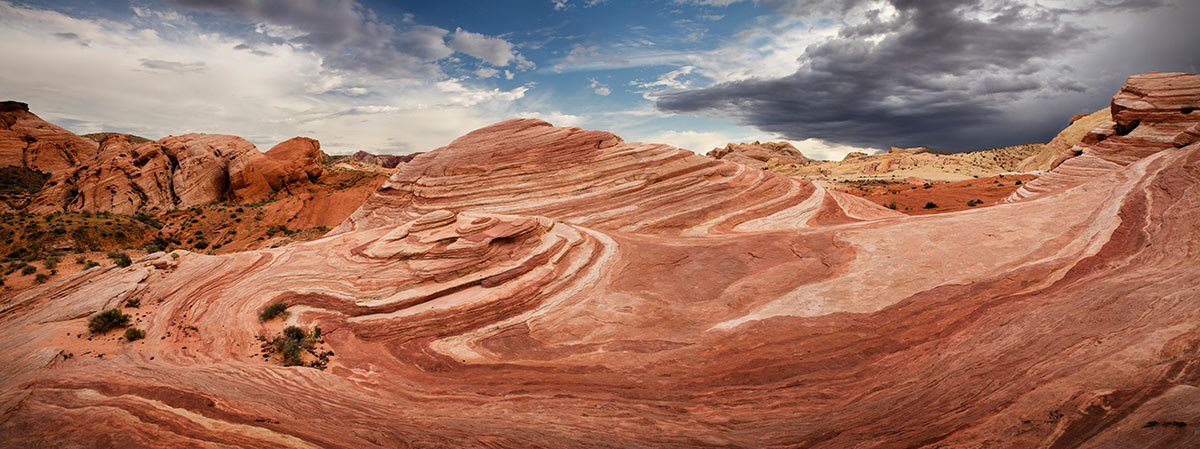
134 334
891 205
28 270
41 278
133 302
108 320
1017 183
931 205
973 203
91 264
291 345
927 186
120 259
272 311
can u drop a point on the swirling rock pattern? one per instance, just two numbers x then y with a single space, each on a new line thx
533 286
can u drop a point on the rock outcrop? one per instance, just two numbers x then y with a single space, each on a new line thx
594 178
534 286
1063 142
1152 112
28 141
383 160
760 154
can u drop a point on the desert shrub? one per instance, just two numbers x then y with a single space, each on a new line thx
81 260
891 205
931 205
41 278
91 264
272 311
1017 183
120 259
134 334
133 302
927 186
291 345
51 262
201 244
28 270
973 203
107 320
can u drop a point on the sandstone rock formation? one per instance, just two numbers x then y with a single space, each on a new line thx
919 162
28 141
533 286
1151 113
760 154
1064 141
383 160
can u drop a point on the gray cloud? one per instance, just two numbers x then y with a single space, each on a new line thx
492 50
174 66
350 37
941 73
73 37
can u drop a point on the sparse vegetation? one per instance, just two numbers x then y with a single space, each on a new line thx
120 259
270 312
931 205
293 343
973 203
891 205
41 278
108 320
133 302
134 334
21 180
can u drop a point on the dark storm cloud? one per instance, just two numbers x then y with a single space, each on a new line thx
944 75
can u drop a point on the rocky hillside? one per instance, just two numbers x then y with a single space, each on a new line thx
534 286
922 163
761 154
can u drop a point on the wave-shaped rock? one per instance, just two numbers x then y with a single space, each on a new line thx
1148 114
596 179
533 286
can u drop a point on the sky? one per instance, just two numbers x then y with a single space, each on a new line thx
830 76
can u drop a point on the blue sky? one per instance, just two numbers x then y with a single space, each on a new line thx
398 77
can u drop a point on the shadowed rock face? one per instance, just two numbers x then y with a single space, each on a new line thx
533 286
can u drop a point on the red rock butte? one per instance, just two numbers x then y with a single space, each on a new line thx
535 286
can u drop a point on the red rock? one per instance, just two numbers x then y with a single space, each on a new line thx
758 155
383 160
28 141
1148 114
533 286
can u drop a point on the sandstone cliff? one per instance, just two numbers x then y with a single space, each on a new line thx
154 177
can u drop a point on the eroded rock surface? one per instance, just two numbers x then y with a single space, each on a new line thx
760 154
1149 114
533 286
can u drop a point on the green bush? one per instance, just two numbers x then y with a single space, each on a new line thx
91 264
291 345
107 320
931 205
28 270
134 334
121 259
41 278
272 311
974 203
